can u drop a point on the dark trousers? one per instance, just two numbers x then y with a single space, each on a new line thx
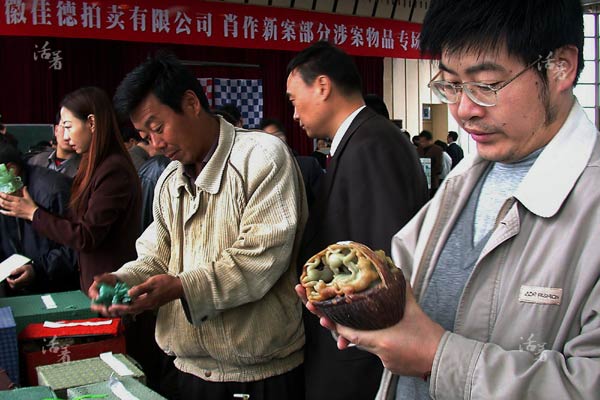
287 386
332 374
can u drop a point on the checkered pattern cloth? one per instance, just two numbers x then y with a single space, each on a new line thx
246 94
9 351
207 85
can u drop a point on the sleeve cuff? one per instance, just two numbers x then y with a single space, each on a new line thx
453 367
196 287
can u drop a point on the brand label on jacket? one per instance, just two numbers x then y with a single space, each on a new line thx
540 295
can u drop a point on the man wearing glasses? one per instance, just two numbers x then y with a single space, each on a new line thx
504 260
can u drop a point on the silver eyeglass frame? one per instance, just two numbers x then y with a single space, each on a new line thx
465 87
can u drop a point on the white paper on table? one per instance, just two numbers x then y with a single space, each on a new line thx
116 364
51 324
7 266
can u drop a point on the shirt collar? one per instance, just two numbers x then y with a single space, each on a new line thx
563 160
339 134
52 156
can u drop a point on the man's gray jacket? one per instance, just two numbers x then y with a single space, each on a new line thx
528 321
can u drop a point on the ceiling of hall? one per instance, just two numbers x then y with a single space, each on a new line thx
404 10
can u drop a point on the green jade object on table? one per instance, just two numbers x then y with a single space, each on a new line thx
117 294
9 183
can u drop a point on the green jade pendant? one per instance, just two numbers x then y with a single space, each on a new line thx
117 294
9 183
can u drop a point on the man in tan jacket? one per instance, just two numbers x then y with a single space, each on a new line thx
218 260
504 261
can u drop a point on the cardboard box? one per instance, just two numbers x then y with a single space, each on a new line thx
64 341
9 351
63 376
50 307
104 388
28 393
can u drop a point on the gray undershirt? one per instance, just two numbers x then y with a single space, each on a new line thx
461 251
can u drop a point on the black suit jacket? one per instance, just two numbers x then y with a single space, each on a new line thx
373 186
311 174
456 153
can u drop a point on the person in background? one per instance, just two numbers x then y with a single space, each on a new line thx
231 113
309 166
149 174
406 133
6 136
454 150
415 141
446 160
136 146
53 267
321 152
376 103
103 221
63 158
427 149
218 262
504 260
372 187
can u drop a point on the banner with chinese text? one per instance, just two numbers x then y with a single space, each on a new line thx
196 22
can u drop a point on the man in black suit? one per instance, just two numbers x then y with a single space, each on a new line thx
309 166
372 187
454 150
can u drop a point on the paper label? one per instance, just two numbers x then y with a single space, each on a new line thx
50 324
115 364
540 295
49 302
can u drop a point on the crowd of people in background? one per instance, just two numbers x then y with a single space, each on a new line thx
210 223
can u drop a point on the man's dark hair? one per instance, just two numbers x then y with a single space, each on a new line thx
527 29
323 58
271 121
377 104
426 134
162 75
453 135
128 133
443 145
10 154
230 109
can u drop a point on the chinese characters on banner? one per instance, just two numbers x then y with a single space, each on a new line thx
208 23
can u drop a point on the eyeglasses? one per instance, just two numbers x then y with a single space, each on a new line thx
480 93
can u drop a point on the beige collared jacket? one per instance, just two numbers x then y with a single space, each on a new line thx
231 237
528 321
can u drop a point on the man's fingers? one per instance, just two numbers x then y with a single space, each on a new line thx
301 292
139 290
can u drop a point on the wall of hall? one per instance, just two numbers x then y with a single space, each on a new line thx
406 94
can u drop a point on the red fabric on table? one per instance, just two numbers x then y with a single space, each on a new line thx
110 337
